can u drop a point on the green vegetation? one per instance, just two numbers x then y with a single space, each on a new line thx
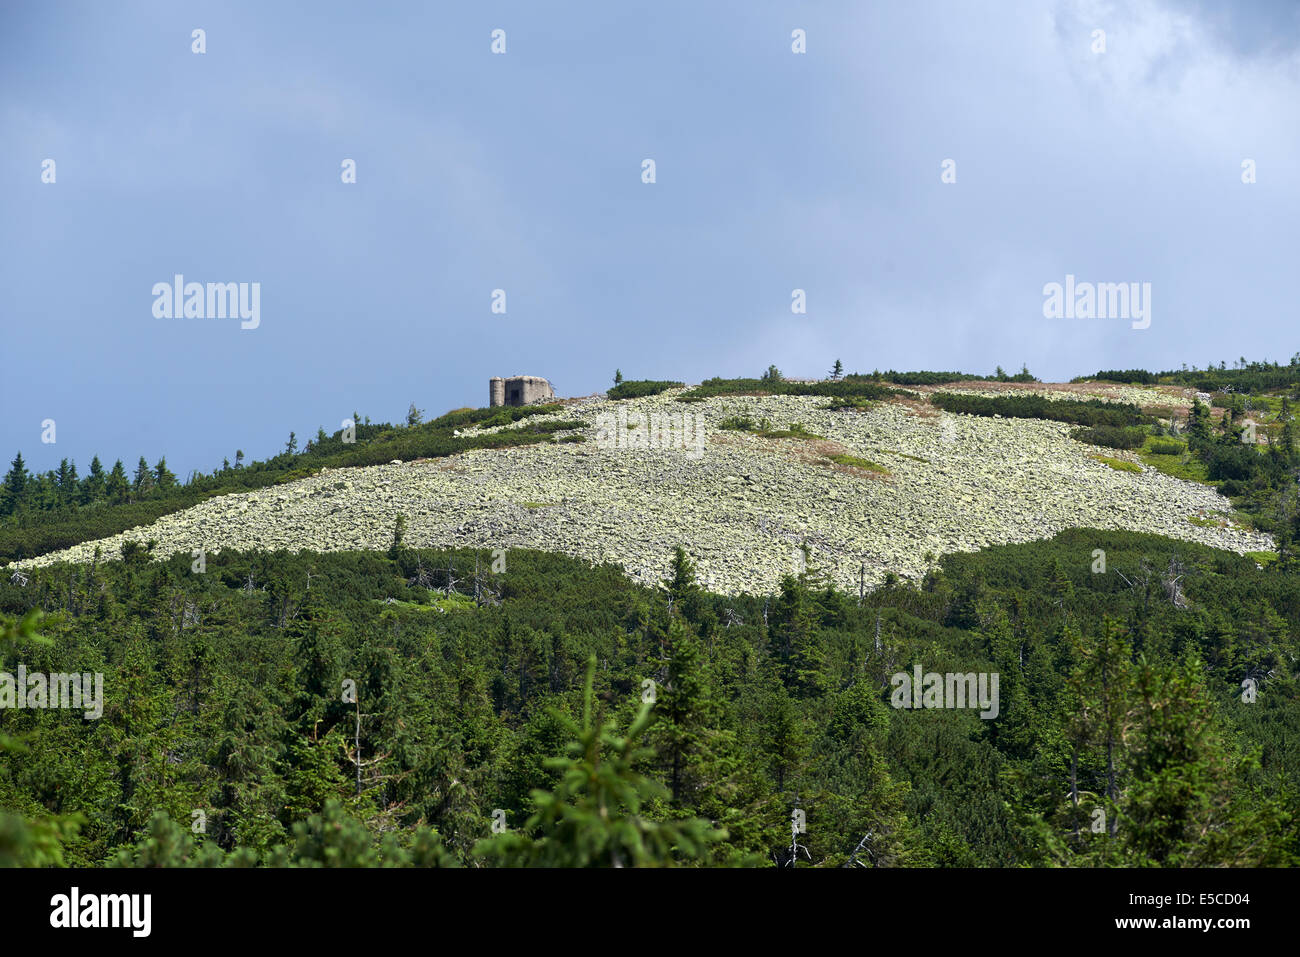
42 513
857 463
640 388
1172 458
850 386
855 402
1164 447
1260 479
1119 465
615 724
944 378
1112 437
1025 405
922 378
763 428
1125 376
1253 378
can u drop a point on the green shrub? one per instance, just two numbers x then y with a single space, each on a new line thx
852 386
640 388
1111 437
1091 412
1126 376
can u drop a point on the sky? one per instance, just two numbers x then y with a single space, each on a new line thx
523 171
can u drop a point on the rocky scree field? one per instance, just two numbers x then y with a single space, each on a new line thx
887 488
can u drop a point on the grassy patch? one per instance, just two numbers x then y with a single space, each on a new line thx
738 423
1218 520
795 431
763 428
1262 558
1119 465
1165 447
1181 464
854 462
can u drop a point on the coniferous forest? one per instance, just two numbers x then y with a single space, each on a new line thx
434 708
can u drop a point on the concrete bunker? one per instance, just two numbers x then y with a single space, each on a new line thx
519 390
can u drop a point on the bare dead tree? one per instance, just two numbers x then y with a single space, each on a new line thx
354 757
795 846
1172 582
1141 579
484 591
452 580
864 844
422 577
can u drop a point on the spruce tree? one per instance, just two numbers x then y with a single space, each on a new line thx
143 481
118 485
163 477
595 817
94 485
13 495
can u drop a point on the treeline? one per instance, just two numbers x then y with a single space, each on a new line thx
351 709
848 386
1126 376
1089 412
56 509
945 378
1252 378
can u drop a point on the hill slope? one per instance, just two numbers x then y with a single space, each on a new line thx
918 483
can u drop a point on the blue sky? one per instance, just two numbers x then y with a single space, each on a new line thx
522 172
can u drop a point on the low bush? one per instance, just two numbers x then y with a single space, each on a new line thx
1090 412
1108 436
640 388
